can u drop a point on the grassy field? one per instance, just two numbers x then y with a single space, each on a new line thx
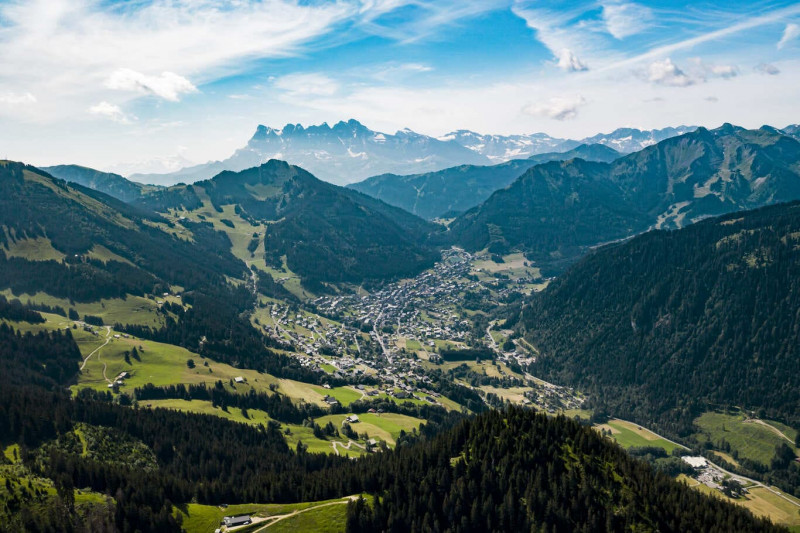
324 516
345 395
330 518
38 249
750 439
629 435
760 502
131 310
383 426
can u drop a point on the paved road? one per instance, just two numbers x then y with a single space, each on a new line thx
732 474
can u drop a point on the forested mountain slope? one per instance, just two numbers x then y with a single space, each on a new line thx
77 243
105 182
671 184
326 232
456 189
511 470
670 322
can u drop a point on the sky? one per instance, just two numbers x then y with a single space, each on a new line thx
151 85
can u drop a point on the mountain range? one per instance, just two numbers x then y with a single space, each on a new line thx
557 210
348 152
500 148
341 154
448 192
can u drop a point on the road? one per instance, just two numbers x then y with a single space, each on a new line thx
277 518
108 339
732 474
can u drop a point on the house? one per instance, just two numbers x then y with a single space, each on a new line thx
233 521
352 419
238 379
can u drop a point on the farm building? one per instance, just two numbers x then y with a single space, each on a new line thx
233 521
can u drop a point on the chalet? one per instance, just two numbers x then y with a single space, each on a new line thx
233 521
353 419
238 379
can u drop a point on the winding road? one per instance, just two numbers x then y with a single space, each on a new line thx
108 339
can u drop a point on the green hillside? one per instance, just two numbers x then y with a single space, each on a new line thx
327 233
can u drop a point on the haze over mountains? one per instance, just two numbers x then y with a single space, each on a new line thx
448 192
348 152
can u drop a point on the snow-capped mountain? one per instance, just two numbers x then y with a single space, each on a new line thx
342 154
348 152
628 140
501 148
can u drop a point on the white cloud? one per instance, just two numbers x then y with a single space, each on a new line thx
556 108
168 85
767 68
111 111
667 73
311 84
17 99
624 19
569 62
559 35
790 33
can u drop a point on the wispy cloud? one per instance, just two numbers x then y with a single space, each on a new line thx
556 32
790 33
624 19
307 84
659 52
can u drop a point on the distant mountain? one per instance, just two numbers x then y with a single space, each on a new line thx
628 140
588 152
555 210
662 325
327 233
500 148
792 131
457 189
106 182
345 153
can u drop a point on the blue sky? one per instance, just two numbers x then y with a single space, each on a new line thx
149 84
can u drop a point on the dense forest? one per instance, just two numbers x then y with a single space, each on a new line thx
500 471
672 322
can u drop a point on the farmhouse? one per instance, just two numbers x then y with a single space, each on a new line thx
352 419
238 379
233 521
